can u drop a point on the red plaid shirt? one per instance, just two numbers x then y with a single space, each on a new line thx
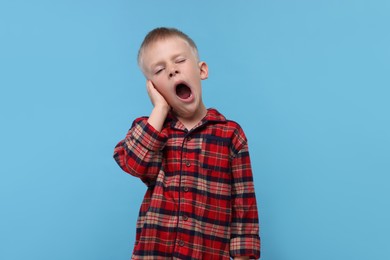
200 202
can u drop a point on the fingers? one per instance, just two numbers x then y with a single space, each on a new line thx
149 88
152 91
149 83
154 95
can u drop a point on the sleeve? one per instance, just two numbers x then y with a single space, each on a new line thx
140 153
245 239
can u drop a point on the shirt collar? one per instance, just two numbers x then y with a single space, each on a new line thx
212 115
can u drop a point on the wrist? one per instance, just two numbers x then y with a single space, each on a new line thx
157 117
162 109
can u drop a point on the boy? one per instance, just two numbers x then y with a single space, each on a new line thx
200 202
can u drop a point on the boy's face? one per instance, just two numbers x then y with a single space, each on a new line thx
172 65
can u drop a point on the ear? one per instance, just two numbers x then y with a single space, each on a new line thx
204 70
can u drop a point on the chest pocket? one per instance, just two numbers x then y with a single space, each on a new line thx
215 153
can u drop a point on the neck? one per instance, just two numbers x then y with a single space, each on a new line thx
192 121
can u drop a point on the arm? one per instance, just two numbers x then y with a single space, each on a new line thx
245 240
140 153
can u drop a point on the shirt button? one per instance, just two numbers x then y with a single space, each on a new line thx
181 243
185 217
185 189
189 138
188 164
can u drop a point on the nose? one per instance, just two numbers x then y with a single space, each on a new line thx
173 72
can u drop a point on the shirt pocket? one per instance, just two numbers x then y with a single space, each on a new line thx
214 154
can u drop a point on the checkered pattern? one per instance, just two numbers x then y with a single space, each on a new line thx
200 202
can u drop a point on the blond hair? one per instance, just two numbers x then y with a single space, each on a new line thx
162 33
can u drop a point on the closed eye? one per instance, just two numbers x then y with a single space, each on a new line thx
158 71
181 61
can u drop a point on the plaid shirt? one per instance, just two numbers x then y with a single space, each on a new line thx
200 202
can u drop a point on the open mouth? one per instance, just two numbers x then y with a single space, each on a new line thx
183 91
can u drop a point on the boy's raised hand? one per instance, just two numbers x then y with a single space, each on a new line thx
161 107
157 99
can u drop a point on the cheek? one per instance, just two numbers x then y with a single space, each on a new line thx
161 87
157 82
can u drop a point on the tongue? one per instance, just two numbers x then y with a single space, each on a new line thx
183 91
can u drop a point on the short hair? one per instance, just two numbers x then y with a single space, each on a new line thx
162 33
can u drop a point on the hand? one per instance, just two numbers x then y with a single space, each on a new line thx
157 99
161 107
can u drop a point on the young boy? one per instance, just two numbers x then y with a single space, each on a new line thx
200 202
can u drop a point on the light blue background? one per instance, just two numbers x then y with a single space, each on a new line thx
308 81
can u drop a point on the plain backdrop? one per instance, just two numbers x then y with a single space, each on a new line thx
308 80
